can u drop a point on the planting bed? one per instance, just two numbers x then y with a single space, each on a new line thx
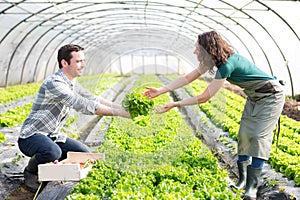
141 174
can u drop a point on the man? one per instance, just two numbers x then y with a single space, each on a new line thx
40 137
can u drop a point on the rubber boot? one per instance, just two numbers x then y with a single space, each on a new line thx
242 167
30 175
253 175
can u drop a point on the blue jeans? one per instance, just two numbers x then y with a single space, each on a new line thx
256 162
46 150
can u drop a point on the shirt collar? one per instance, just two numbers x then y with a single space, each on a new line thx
61 73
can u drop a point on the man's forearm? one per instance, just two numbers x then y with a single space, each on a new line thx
109 111
109 103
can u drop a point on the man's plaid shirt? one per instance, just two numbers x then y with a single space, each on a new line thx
51 107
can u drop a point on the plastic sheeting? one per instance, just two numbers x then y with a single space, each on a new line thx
267 32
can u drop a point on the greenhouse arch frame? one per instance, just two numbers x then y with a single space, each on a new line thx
265 31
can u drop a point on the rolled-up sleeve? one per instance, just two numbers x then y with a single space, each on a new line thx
61 91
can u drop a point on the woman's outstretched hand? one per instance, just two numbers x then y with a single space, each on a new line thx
167 107
151 92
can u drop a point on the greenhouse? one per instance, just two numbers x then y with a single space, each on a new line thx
189 152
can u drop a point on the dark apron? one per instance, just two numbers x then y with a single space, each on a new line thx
265 100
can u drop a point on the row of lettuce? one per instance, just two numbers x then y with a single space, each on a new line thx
160 160
167 162
225 111
16 116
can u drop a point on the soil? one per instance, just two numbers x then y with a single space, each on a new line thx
291 109
21 193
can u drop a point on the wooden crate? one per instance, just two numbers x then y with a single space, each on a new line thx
70 169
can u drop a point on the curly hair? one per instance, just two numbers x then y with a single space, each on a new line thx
214 50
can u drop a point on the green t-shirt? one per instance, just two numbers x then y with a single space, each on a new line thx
239 69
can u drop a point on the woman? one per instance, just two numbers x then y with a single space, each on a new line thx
265 100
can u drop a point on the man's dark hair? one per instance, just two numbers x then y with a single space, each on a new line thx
64 53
